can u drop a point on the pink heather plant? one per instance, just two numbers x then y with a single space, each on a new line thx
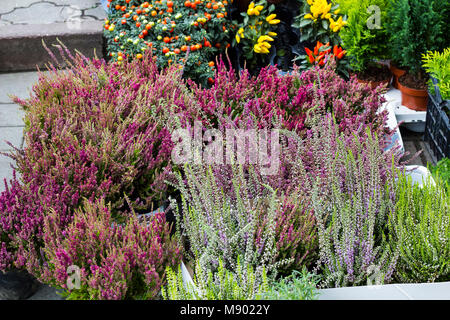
95 130
292 101
116 261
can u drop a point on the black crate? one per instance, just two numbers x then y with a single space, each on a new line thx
437 127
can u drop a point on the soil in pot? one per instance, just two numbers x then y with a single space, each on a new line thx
375 75
414 92
397 73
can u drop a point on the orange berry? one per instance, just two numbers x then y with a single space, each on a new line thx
211 63
154 13
187 4
165 50
215 7
184 48
166 39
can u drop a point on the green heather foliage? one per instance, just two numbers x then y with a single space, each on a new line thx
419 226
244 284
442 170
415 27
297 286
364 44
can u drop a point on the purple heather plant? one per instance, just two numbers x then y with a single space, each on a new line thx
116 261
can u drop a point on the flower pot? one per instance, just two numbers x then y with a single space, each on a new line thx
414 99
17 285
397 72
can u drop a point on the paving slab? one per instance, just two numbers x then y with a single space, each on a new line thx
9 6
18 83
12 134
11 115
6 171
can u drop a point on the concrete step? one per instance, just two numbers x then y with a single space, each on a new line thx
24 24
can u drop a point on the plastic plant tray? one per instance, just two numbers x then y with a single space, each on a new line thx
402 113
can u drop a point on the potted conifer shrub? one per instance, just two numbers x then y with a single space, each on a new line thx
365 40
415 27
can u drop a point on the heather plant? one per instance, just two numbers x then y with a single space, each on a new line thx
221 227
290 101
419 228
351 204
115 261
297 286
93 130
220 285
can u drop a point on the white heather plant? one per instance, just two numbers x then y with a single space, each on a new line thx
220 229
351 219
419 226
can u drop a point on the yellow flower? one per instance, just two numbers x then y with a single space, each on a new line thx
241 32
337 11
250 11
272 34
271 17
259 8
264 38
265 44
251 5
308 16
257 48
238 39
274 21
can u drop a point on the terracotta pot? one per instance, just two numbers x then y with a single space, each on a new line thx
414 99
397 74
